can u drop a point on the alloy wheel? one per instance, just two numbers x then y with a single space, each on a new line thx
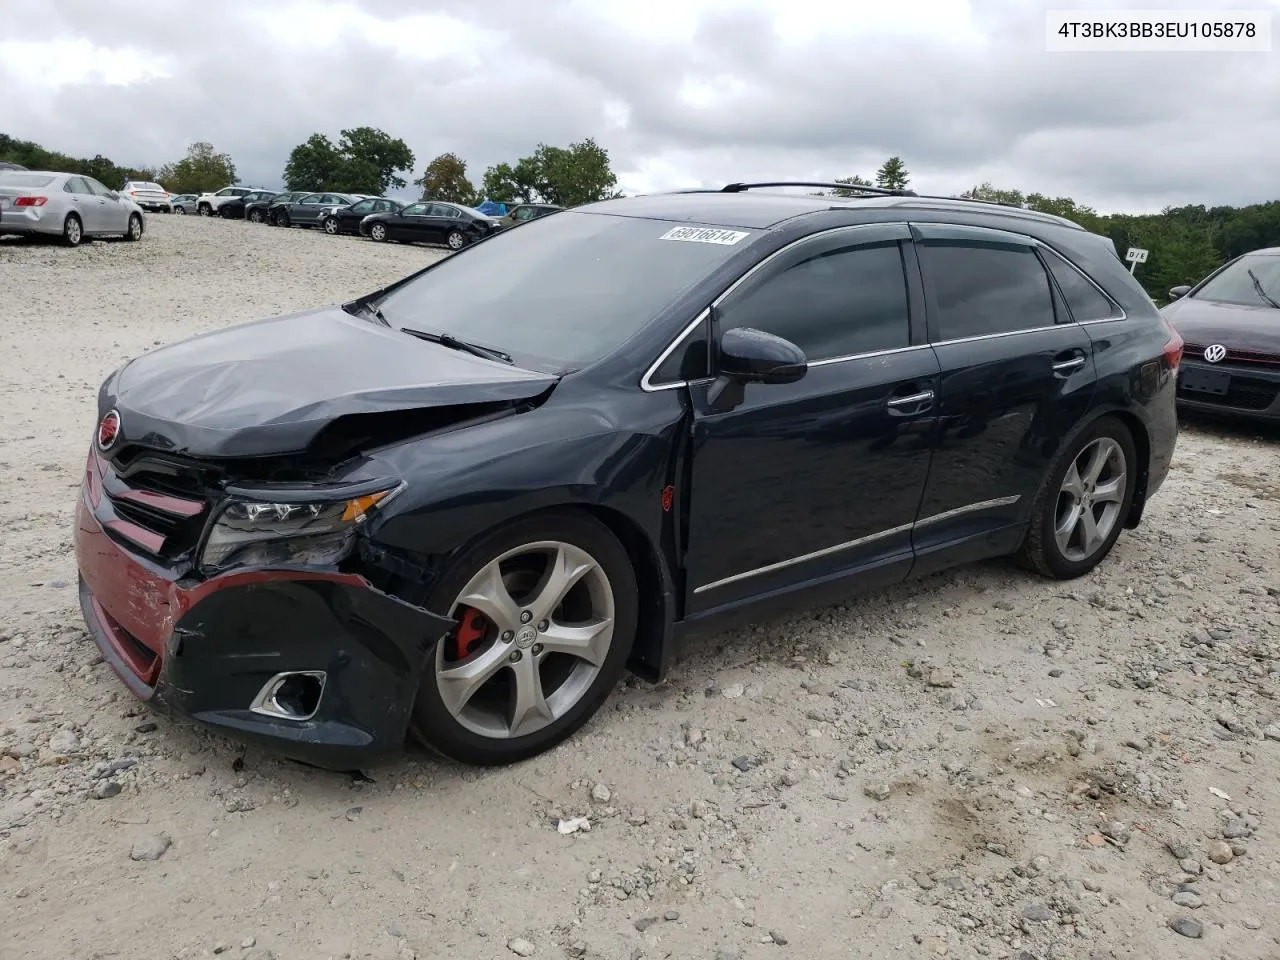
1090 499
535 627
135 228
456 240
73 231
378 232
331 226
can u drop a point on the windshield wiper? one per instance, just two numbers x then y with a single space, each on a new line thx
453 343
1257 285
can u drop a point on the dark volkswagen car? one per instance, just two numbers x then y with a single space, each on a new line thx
256 211
1231 324
461 505
449 224
347 219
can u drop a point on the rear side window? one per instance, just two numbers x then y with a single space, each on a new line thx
980 290
15 178
1085 301
839 303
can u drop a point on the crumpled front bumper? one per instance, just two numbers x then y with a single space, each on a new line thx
204 649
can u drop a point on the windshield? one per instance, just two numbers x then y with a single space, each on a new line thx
567 289
15 178
1237 284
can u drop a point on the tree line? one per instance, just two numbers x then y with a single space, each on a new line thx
1185 243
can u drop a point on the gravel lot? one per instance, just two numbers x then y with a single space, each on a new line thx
985 764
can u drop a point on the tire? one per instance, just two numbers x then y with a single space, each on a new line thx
378 232
255 216
181 210
331 226
484 725
205 210
1058 506
282 219
135 228
72 231
455 240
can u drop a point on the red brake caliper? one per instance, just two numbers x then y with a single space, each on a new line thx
472 626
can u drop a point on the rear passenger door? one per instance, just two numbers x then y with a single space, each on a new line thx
1016 374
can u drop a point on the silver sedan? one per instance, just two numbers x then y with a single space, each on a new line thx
65 205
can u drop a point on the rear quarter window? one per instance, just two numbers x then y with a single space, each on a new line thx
14 178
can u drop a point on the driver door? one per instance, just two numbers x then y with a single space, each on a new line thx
811 480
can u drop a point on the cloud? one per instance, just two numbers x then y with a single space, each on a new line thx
682 92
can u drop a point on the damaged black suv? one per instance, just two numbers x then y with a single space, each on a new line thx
462 505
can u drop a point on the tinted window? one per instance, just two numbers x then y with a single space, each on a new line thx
688 361
834 304
312 198
523 213
415 210
568 293
980 289
1084 300
1235 284
364 206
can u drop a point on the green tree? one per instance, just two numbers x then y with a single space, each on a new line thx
568 176
201 170
364 160
445 178
853 181
371 153
314 164
893 175
985 191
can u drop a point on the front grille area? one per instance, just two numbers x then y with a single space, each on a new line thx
1244 393
160 508
1195 351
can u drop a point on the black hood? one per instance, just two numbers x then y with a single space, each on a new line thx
269 387
1235 326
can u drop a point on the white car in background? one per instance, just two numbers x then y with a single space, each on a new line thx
68 205
148 195
207 204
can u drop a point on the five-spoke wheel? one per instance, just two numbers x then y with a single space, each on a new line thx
546 612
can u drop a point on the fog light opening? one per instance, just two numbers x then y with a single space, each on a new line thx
291 696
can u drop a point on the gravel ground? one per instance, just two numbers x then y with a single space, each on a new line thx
985 764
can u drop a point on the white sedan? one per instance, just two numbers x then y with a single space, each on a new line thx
68 205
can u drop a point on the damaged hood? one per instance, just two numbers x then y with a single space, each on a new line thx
269 387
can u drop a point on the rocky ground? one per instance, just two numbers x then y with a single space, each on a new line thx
985 764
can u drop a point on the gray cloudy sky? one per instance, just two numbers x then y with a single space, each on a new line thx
681 92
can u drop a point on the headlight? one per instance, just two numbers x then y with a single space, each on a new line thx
256 533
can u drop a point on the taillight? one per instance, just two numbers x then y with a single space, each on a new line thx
133 193
1173 347
30 201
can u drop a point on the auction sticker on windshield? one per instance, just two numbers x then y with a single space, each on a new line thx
704 235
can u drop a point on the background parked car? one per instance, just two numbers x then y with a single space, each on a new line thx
1231 324
524 212
235 207
148 195
347 219
184 203
39 202
6 165
207 204
308 210
450 224
257 211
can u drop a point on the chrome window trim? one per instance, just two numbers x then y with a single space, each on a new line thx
646 382
869 538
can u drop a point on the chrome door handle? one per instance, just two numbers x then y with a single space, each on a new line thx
1067 365
911 400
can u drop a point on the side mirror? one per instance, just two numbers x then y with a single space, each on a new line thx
753 356
114 195
1177 293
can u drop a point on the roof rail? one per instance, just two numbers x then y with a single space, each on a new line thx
859 187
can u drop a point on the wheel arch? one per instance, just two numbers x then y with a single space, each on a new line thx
1142 445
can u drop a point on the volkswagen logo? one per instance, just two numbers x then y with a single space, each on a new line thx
1215 353
109 430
